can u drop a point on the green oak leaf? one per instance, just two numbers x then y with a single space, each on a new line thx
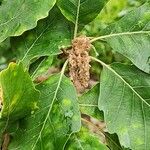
18 16
88 103
125 99
85 140
113 142
40 67
19 96
88 9
57 118
46 39
130 36
4 46
5 53
2 129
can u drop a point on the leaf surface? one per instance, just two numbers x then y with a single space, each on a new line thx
130 36
46 39
57 118
125 99
85 140
18 16
88 103
113 142
41 67
2 129
19 96
88 10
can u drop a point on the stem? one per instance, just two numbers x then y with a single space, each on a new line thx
118 34
102 63
95 51
77 19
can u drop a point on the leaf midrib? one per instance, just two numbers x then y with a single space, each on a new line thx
119 34
50 108
122 79
77 19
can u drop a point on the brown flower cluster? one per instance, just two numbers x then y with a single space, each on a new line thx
79 62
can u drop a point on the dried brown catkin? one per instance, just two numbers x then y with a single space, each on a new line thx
79 62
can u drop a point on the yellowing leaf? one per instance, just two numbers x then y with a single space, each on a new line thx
20 97
55 121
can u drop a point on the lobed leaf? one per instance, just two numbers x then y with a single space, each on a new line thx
18 16
46 39
87 12
19 96
57 118
124 98
130 36
88 103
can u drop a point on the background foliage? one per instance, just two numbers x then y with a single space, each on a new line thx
39 105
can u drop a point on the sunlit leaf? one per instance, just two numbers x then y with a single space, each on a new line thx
130 36
57 118
124 98
85 140
19 96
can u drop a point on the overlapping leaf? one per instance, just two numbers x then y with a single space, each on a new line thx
40 67
2 129
113 142
46 39
85 140
130 36
5 53
88 103
58 117
125 100
88 10
19 97
17 16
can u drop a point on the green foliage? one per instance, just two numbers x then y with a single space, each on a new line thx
18 16
127 111
85 140
86 13
19 95
132 36
42 40
89 103
40 109
57 118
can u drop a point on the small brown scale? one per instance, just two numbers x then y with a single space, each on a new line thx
79 62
